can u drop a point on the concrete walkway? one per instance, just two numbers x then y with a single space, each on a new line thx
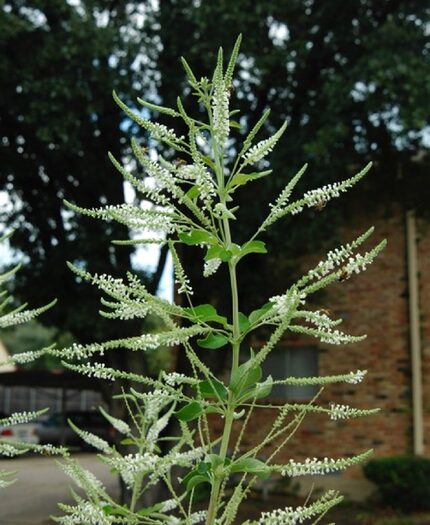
41 485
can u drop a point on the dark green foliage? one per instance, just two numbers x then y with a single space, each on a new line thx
351 79
58 66
403 481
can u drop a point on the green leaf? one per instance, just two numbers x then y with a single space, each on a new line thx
214 410
243 178
110 510
218 251
216 461
145 511
244 377
244 323
225 255
193 192
263 389
251 465
198 475
196 480
190 411
203 467
253 247
208 161
213 341
107 509
128 441
257 314
206 313
260 390
234 124
213 388
196 237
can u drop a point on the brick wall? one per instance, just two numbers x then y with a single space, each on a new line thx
375 303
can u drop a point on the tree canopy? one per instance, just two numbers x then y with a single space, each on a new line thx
59 63
351 78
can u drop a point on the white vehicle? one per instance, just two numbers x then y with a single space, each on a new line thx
24 432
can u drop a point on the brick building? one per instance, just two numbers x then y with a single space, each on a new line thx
382 303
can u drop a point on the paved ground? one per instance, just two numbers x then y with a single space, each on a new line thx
41 484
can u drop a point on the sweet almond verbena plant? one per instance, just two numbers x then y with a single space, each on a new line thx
193 205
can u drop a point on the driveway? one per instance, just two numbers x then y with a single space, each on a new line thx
41 484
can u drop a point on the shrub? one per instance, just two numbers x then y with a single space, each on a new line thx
403 481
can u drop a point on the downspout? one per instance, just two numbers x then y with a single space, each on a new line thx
414 334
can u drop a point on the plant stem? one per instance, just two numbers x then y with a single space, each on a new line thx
218 478
213 503
229 414
235 311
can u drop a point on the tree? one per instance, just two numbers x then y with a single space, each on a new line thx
351 78
59 63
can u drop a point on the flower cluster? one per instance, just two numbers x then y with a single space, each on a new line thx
336 337
137 218
156 429
130 299
357 264
168 505
264 147
99 371
211 266
10 451
221 121
118 424
132 465
203 181
333 260
315 466
150 192
175 459
21 417
180 277
337 411
92 440
176 378
88 512
197 517
20 316
142 342
319 197
81 476
158 131
154 401
356 377
327 335
23 358
279 208
319 318
5 480
286 303
162 132
294 516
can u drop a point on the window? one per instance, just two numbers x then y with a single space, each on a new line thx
292 362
